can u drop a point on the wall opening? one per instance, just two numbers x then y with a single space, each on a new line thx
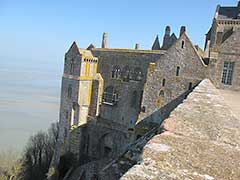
190 86
110 96
183 44
116 72
163 82
69 91
71 67
178 71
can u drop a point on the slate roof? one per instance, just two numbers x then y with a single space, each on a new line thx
228 13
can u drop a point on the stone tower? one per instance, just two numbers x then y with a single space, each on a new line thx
79 77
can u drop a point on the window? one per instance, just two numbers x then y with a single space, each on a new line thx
69 91
134 100
143 109
183 43
65 132
163 82
137 74
178 71
227 73
190 86
116 72
161 94
110 96
126 74
66 115
71 67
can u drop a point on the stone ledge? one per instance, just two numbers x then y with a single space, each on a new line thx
202 141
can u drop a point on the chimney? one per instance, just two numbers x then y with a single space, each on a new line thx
166 38
182 30
167 31
137 46
104 40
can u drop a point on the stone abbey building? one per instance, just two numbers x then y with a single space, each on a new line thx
111 97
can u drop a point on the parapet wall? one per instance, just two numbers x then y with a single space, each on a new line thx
201 141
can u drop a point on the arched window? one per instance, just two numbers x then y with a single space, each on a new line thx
178 71
126 74
137 74
110 96
116 72
69 91
134 103
163 82
71 67
161 94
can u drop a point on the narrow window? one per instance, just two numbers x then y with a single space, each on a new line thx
143 109
163 82
65 132
183 43
190 86
71 67
66 115
69 92
134 99
178 70
227 73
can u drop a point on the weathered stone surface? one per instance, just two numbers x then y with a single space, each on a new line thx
202 141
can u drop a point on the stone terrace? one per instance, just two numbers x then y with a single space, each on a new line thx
201 141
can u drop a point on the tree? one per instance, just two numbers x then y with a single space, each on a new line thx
38 154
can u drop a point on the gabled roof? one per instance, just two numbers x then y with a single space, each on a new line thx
191 44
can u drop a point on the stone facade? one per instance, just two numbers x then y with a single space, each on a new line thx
179 70
111 97
222 47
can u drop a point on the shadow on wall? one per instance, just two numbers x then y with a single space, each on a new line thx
158 116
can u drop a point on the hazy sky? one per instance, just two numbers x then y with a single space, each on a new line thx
43 30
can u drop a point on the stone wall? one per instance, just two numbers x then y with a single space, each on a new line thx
165 83
201 141
126 110
229 51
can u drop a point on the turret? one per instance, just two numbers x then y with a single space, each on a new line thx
104 40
